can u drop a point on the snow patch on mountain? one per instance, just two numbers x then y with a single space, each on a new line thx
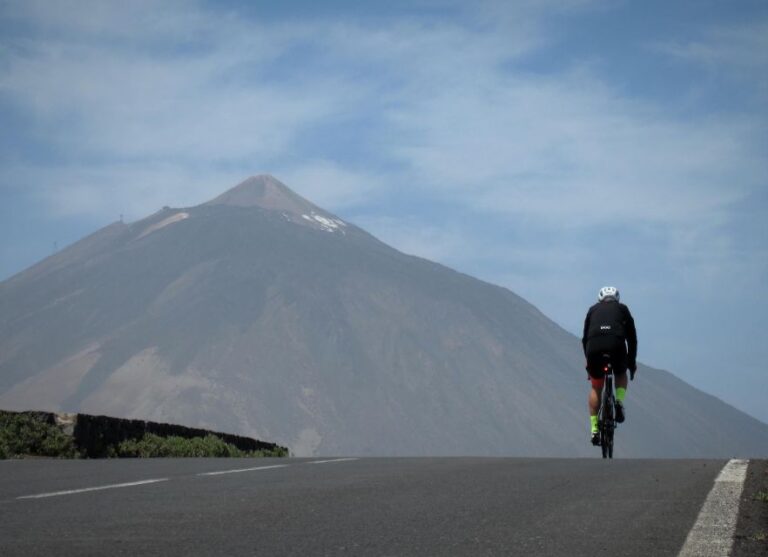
165 222
329 225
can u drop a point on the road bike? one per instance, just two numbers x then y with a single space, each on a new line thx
606 415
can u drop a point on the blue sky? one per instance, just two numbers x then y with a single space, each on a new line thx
550 147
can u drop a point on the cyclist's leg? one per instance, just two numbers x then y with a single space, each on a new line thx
597 380
594 396
622 381
619 362
594 406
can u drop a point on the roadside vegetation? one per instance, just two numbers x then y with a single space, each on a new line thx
762 535
26 435
151 446
751 536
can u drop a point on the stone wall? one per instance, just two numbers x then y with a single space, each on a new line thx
93 435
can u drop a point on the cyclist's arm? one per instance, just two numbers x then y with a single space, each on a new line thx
631 339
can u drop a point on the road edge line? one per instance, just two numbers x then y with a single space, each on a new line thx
712 533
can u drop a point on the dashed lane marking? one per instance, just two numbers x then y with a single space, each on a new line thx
331 460
144 482
712 534
85 489
220 472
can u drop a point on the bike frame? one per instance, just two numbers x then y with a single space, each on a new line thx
606 415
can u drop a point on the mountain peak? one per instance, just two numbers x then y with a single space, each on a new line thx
267 192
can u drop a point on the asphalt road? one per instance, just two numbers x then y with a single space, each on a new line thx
371 506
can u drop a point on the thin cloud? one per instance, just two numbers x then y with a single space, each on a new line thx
414 236
111 190
124 103
554 148
726 46
736 53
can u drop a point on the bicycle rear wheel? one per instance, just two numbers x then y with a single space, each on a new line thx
606 440
606 428
610 444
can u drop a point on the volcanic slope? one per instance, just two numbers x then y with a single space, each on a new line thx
261 314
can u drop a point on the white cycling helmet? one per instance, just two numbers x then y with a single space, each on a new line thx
608 293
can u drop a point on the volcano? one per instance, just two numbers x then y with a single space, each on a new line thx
261 314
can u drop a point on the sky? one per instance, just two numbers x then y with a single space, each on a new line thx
548 146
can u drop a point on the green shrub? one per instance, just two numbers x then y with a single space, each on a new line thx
152 446
25 435
277 452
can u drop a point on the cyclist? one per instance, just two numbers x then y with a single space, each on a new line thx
609 329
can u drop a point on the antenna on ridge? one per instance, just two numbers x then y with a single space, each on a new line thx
121 217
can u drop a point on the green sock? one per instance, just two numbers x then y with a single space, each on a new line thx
593 423
621 392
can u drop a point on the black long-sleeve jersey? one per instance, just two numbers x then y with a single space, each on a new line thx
611 319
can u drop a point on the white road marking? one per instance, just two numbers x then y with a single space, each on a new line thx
220 472
712 534
144 482
85 489
332 460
